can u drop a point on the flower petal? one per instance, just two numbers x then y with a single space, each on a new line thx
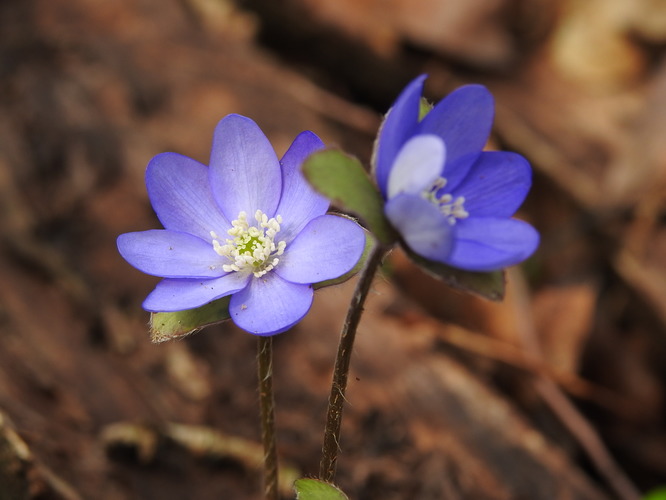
180 194
299 203
398 126
488 244
180 294
463 120
328 247
496 185
170 254
245 173
418 164
423 227
270 305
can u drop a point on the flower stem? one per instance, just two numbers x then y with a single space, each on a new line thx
267 405
336 400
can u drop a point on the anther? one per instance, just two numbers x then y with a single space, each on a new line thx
252 248
450 208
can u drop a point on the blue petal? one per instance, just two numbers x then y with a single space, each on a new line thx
488 244
423 227
328 247
170 254
180 193
463 119
496 185
270 305
418 164
399 125
244 171
181 294
456 170
299 203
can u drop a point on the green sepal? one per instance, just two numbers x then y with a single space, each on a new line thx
490 285
370 243
314 489
342 179
174 325
425 107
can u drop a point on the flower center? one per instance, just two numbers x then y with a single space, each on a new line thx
252 248
453 209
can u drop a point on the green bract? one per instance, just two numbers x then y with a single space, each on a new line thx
489 285
173 325
342 179
314 489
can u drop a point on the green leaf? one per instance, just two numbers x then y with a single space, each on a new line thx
369 245
342 179
489 285
173 325
658 494
314 489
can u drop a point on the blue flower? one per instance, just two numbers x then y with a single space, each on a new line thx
248 226
450 201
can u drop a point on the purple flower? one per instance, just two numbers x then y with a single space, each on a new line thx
450 201
248 226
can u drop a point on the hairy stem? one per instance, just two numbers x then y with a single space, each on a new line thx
267 405
336 400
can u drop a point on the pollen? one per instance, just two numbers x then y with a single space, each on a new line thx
251 248
452 209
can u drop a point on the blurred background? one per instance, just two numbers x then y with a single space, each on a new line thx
556 393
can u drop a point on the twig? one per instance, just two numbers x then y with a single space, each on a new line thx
571 418
505 352
23 473
196 441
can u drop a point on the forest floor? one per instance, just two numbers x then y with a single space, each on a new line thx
558 392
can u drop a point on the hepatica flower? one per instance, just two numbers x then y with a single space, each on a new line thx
450 201
248 226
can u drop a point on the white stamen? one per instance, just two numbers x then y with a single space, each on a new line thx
252 248
450 208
